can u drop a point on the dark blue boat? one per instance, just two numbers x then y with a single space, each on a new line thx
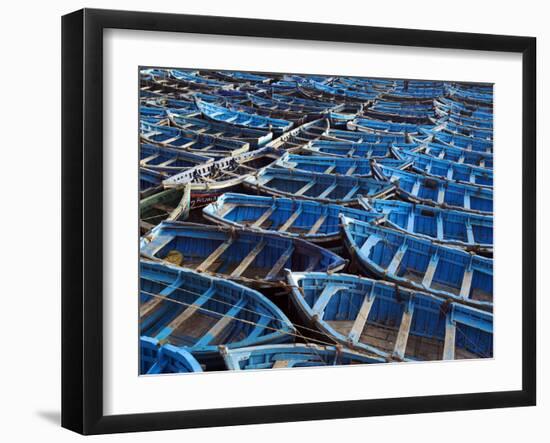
169 160
199 313
293 356
389 321
353 149
379 126
420 264
243 255
309 220
458 155
323 188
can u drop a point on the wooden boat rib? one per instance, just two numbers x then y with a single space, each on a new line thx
421 264
198 313
356 167
253 121
189 141
323 188
293 356
309 220
472 232
242 255
436 192
391 322
165 359
460 141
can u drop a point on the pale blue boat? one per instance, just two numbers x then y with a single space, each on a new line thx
392 322
156 358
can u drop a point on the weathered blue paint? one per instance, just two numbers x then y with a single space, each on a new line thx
470 231
165 359
197 313
419 263
298 355
316 222
324 188
243 255
359 310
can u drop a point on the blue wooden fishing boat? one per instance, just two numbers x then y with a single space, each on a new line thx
447 169
195 78
198 313
354 149
461 141
273 104
253 121
299 355
155 358
377 126
458 155
299 136
463 130
354 166
323 188
150 179
389 321
168 160
309 220
434 191
461 108
478 123
472 96
473 232
316 91
187 140
238 76
295 117
420 264
255 137
364 137
292 100
243 255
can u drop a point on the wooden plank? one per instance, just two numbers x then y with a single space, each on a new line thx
466 200
430 272
279 364
186 314
261 220
351 170
439 221
450 173
280 263
470 232
450 341
403 334
416 188
215 255
226 209
290 220
221 324
247 261
466 283
371 242
328 190
146 308
361 319
323 300
317 225
329 169
396 260
305 187
351 192
461 158
410 221
441 194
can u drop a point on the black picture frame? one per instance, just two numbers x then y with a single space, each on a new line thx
82 218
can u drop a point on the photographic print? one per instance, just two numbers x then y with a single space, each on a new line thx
295 220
